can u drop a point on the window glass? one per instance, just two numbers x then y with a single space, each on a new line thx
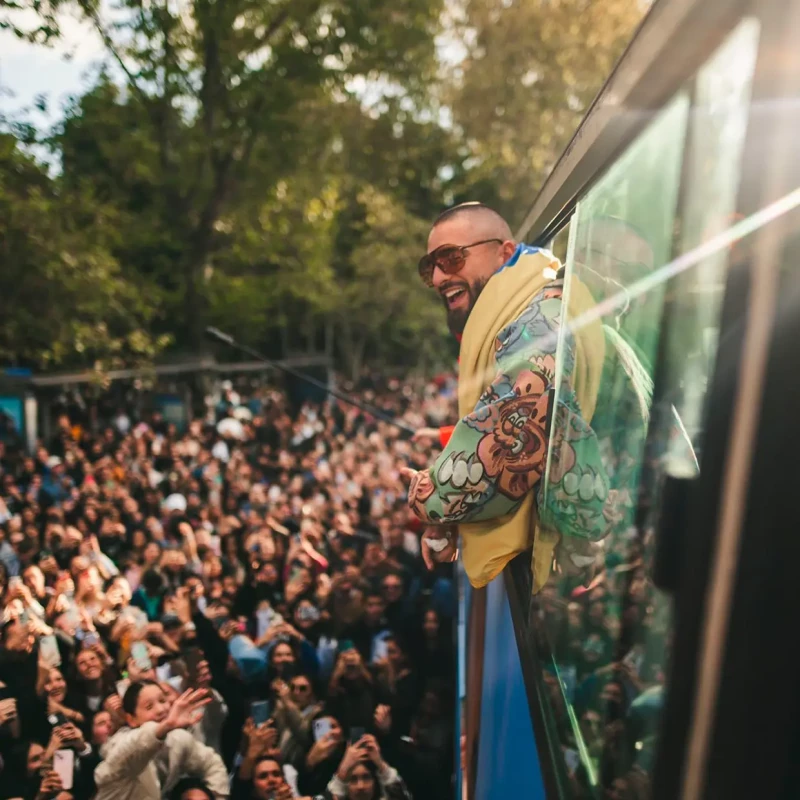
607 637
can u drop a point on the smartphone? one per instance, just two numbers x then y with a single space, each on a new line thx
321 727
380 650
219 621
572 759
91 638
309 614
259 711
356 734
140 656
13 581
122 687
264 617
48 650
64 767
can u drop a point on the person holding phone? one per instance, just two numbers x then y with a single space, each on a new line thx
268 783
364 775
145 759
295 707
322 758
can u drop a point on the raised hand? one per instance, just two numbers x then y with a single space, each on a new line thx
8 710
355 754
262 738
187 709
322 749
373 751
282 690
50 786
383 718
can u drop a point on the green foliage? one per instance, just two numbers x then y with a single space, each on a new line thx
16 15
271 167
530 70
65 296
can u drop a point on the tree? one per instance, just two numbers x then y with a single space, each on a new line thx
529 71
33 20
65 300
219 90
384 304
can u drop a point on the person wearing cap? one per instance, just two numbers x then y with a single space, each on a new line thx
505 300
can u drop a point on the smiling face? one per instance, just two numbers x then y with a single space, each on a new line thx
459 292
152 705
89 666
55 686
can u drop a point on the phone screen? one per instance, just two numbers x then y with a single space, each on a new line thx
259 711
572 758
356 734
380 650
140 656
64 767
322 727
48 650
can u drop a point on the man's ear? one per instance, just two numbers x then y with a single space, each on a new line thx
509 247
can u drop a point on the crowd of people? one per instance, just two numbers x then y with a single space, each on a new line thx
237 609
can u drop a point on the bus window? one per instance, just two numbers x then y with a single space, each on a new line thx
607 636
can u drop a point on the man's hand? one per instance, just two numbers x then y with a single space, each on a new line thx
438 533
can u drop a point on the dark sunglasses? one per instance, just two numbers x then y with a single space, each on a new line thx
450 258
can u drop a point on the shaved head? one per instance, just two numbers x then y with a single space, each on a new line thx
488 243
481 218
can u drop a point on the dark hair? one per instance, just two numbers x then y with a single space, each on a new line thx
373 771
186 784
131 698
152 580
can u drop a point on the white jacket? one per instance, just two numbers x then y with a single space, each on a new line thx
128 770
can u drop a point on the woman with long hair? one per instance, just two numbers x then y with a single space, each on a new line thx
364 775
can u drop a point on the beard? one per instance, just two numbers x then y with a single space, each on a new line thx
457 317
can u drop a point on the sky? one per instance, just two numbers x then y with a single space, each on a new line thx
27 71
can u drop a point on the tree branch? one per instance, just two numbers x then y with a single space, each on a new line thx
109 44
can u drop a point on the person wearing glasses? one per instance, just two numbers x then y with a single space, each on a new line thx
504 299
296 707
